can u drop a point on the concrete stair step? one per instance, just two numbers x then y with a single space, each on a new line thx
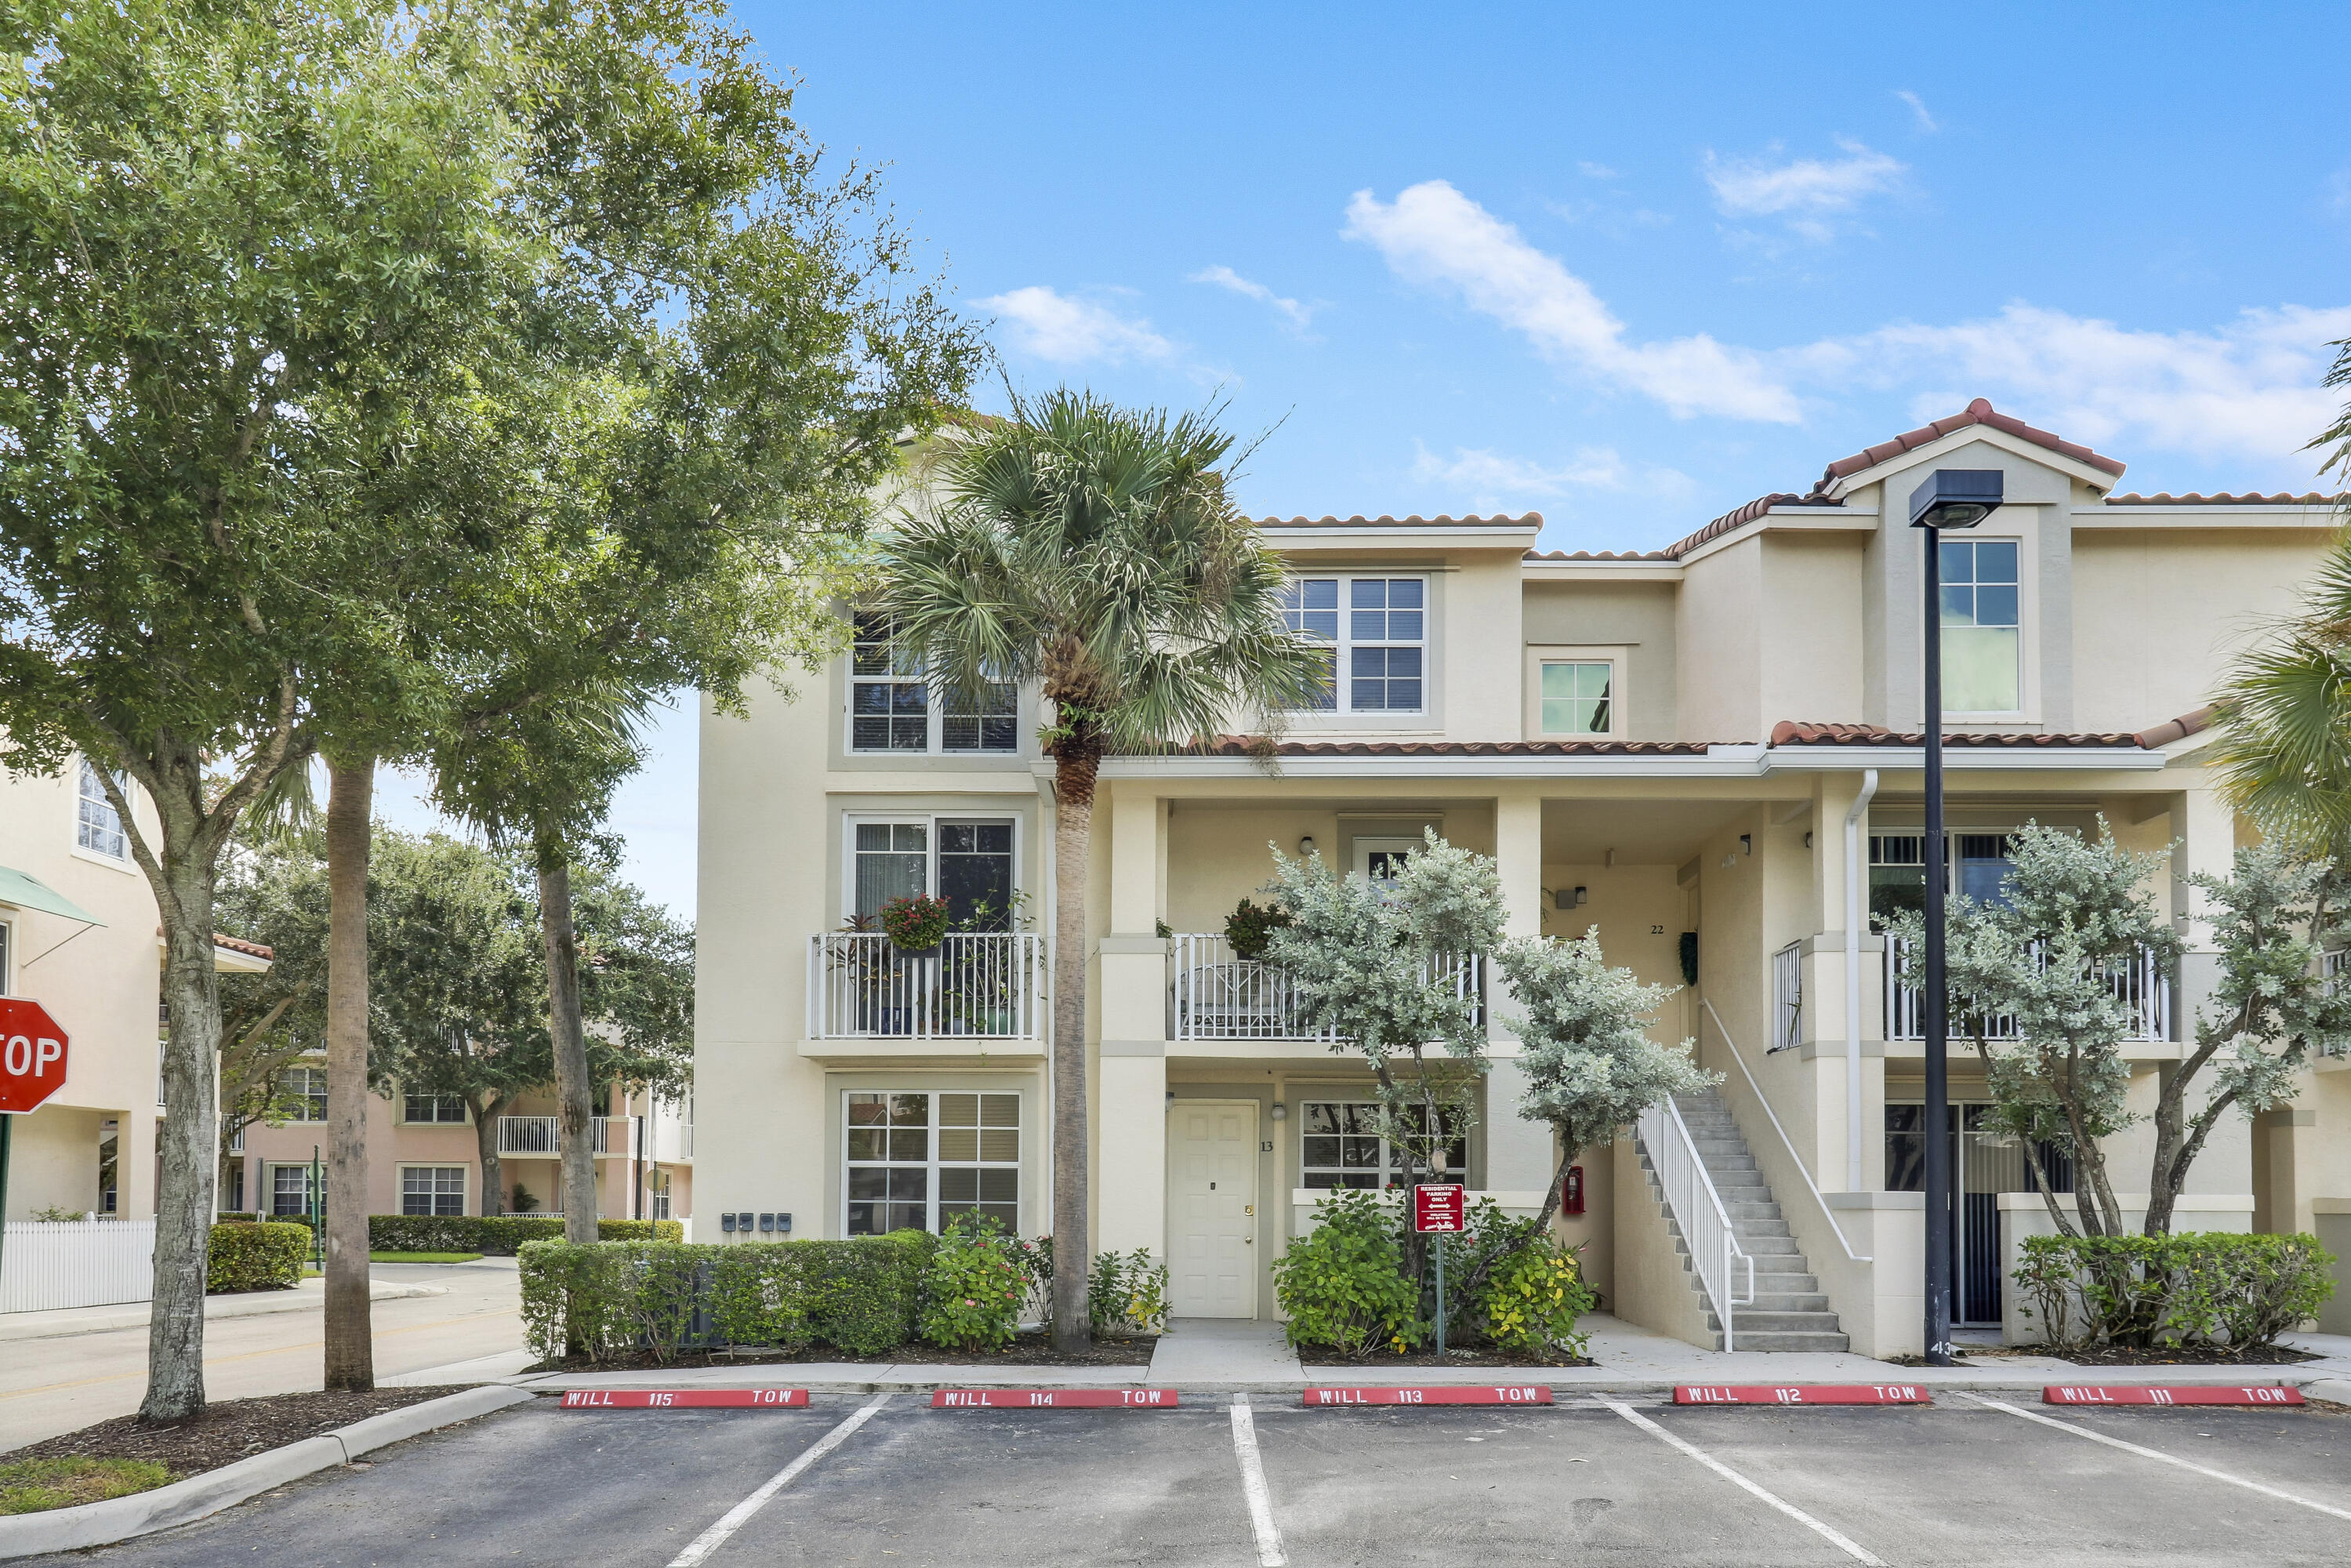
1762 1247
1743 1229
1752 1320
1770 1282
1786 1341
1743 1211
1808 1302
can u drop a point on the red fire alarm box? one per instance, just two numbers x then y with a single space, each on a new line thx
1570 1191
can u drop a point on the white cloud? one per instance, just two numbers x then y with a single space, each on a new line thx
1066 332
1490 476
1918 107
1597 170
1433 234
2250 388
1226 278
1808 187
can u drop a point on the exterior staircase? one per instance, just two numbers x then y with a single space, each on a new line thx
1789 1311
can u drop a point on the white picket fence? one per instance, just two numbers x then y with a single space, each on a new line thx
45 1266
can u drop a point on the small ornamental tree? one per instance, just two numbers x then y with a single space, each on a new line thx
1584 1046
1377 964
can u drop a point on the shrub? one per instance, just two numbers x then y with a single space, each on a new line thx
1531 1298
860 1296
916 924
498 1235
1249 928
1343 1285
245 1257
1127 1294
2195 1288
973 1288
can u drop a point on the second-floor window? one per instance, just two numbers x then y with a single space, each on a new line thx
99 828
1377 629
303 1095
1983 638
432 1108
892 708
1576 698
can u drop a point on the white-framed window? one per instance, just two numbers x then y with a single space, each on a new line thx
914 1158
99 825
432 1189
1577 696
1340 1145
891 707
432 1108
303 1093
1983 636
291 1190
968 860
661 1193
1377 629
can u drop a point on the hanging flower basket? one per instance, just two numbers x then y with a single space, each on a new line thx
915 926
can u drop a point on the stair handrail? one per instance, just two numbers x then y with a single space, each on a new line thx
1794 1157
1682 1178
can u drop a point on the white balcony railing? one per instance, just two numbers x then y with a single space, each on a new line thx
2141 984
543 1135
979 985
1217 995
1787 997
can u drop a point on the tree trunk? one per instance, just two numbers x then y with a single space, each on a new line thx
571 1086
190 1140
486 1144
350 1349
1073 792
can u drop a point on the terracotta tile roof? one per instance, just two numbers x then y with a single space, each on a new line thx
2165 498
1790 732
1740 517
235 944
1598 555
1499 519
2179 728
1980 412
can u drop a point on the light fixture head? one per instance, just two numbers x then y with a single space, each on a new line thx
1306 845
1956 498
1280 1111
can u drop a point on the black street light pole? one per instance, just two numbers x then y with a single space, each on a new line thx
1950 498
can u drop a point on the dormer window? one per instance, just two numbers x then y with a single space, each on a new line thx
1983 636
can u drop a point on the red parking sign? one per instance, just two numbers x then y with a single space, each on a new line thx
1437 1205
32 1055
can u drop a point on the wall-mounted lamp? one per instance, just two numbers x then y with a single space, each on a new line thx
1306 845
1280 1111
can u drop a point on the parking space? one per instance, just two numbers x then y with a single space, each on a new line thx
1579 1482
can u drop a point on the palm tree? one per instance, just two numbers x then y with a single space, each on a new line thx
1096 551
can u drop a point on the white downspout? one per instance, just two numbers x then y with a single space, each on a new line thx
1852 874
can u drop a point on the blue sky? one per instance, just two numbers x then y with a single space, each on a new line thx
1628 266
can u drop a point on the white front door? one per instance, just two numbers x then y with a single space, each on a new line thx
1212 1192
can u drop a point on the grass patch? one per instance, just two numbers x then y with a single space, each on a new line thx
424 1257
36 1486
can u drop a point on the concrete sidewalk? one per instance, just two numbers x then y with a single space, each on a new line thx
1239 1356
309 1296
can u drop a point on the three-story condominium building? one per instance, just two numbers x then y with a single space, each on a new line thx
1710 752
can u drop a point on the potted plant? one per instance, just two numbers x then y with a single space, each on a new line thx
916 924
1249 929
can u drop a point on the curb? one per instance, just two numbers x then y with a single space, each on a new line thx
266 1303
2334 1390
545 1385
183 1502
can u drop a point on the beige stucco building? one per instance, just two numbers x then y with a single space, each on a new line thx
1710 752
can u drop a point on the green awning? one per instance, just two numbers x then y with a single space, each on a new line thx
31 893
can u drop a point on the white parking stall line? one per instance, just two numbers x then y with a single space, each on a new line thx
712 1539
1253 1487
2158 1454
1835 1537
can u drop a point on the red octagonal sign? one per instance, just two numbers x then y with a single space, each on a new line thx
32 1055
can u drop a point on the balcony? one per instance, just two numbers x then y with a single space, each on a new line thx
979 985
541 1137
2141 984
1217 995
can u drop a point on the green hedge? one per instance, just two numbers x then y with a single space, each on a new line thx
499 1235
862 1296
244 1256
2212 1287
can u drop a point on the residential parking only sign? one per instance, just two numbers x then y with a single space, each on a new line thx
32 1055
1437 1205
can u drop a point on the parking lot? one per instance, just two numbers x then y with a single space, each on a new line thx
1628 1480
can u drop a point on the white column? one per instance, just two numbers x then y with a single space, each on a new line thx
1518 1155
2207 831
1131 1072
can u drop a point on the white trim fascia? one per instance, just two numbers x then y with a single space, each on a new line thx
1634 570
1401 539
2290 515
1740 761
1813 519
1964 758
2098 479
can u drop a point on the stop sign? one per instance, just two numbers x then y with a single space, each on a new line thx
32 1055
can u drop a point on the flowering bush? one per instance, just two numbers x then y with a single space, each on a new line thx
916 923
974 1287
1532 1295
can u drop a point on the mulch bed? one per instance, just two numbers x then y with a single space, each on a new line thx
1028 1350
1322 1355
228 1431
1990 1356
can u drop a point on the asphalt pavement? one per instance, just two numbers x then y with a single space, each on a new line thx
1975 1479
